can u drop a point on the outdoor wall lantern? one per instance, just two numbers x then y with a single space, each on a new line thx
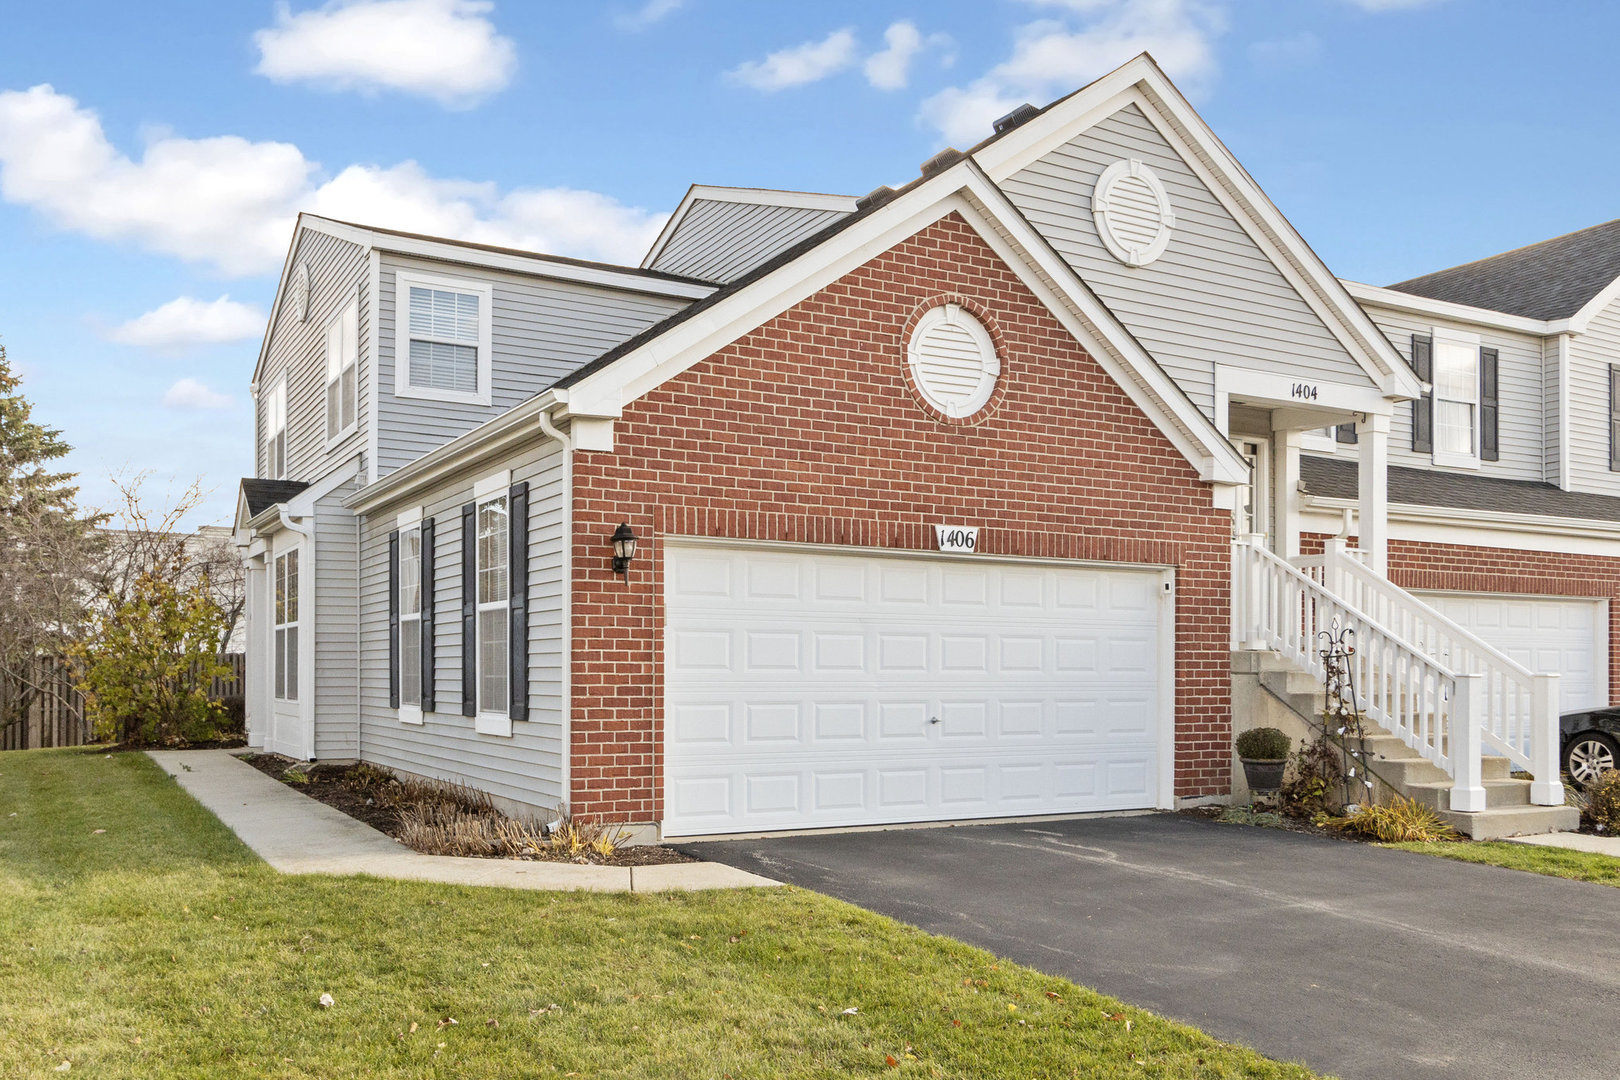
624 548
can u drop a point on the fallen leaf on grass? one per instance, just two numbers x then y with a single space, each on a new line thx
64 1067
492 1022
888 1059
1054 997
327 1001
413 1027
851 1011
97 832
447 1022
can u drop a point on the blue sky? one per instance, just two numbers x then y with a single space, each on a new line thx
152 155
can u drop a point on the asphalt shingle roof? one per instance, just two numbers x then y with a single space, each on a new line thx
1550 280
261 495
1333 479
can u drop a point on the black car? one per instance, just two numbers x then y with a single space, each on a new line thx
1591 743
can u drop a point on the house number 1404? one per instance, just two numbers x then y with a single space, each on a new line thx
1301 391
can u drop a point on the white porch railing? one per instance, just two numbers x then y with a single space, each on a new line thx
1423 678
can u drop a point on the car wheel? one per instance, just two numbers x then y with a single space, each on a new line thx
1590 755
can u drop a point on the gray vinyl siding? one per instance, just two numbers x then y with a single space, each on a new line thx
543 329
297 352
1521 415
527 767
722 241
1590 355
1212 298
337 537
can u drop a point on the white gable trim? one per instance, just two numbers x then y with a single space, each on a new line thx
1594 307
805 200
1142 82
962 189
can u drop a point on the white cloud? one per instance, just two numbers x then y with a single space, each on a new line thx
187 321
446 50
891 68
191 394
653 11
1052 57
807 63
231 203
1296 51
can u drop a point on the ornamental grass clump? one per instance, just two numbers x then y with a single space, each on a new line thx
1401 820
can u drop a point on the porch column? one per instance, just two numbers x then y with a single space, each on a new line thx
255 683
1285 491
1372 489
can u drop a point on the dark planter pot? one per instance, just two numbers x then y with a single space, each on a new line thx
1264 777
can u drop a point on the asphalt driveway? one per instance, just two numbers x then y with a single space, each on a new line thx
1358 961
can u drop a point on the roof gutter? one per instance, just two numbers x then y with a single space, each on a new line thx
1418 513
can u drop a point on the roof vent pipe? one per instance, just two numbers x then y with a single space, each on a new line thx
1024 112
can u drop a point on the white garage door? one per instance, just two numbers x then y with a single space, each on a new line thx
1545 634
810 690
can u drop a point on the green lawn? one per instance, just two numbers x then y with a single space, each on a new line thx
161 947
1554 862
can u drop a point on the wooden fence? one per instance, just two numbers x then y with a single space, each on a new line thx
55 715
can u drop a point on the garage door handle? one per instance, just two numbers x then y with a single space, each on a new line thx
933 719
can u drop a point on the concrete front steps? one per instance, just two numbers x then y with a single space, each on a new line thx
1508 810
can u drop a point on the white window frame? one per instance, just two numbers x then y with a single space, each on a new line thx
1321 440
496 488
342 371
410 521
285 629
1455 344
275 426
403 280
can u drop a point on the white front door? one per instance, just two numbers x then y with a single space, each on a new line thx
289 665
1547 634
809 689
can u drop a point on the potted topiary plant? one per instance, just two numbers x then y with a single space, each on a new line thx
1264 753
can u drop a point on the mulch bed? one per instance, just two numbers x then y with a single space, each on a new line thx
1284 822
327 784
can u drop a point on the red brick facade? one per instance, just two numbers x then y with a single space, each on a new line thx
1457 568
807 429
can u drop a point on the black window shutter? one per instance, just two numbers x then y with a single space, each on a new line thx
1345 433
518 575
1614 417
469 610
428 702
393 619
1423 407
1489 446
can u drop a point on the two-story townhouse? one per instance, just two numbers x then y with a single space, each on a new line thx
972 498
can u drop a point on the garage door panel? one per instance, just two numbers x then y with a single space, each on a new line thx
1563 635
803 690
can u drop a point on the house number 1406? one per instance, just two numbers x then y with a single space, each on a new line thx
1302 392
957 537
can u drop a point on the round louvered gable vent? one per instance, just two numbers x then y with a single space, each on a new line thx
953 361
1132 212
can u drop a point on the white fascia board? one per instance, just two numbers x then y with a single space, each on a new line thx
496 436
962 189
1478 528
301 505
1594 307
446 250
1380 297
1141 82
275 303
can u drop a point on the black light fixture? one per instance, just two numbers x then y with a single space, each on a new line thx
624 548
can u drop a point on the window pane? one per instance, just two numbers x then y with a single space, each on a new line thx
410 572
1456 372
436 366
410 662
492 660
281 590
442 314
278 455
292 663
281 663
1453 427
347 411
292 585
492 545
333 424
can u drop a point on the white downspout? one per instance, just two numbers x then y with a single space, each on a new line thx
566 441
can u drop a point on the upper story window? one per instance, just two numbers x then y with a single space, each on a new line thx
443 339
286 624
342 364
1457 420
275 431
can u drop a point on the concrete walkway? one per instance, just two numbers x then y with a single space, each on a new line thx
296 834
1597 845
